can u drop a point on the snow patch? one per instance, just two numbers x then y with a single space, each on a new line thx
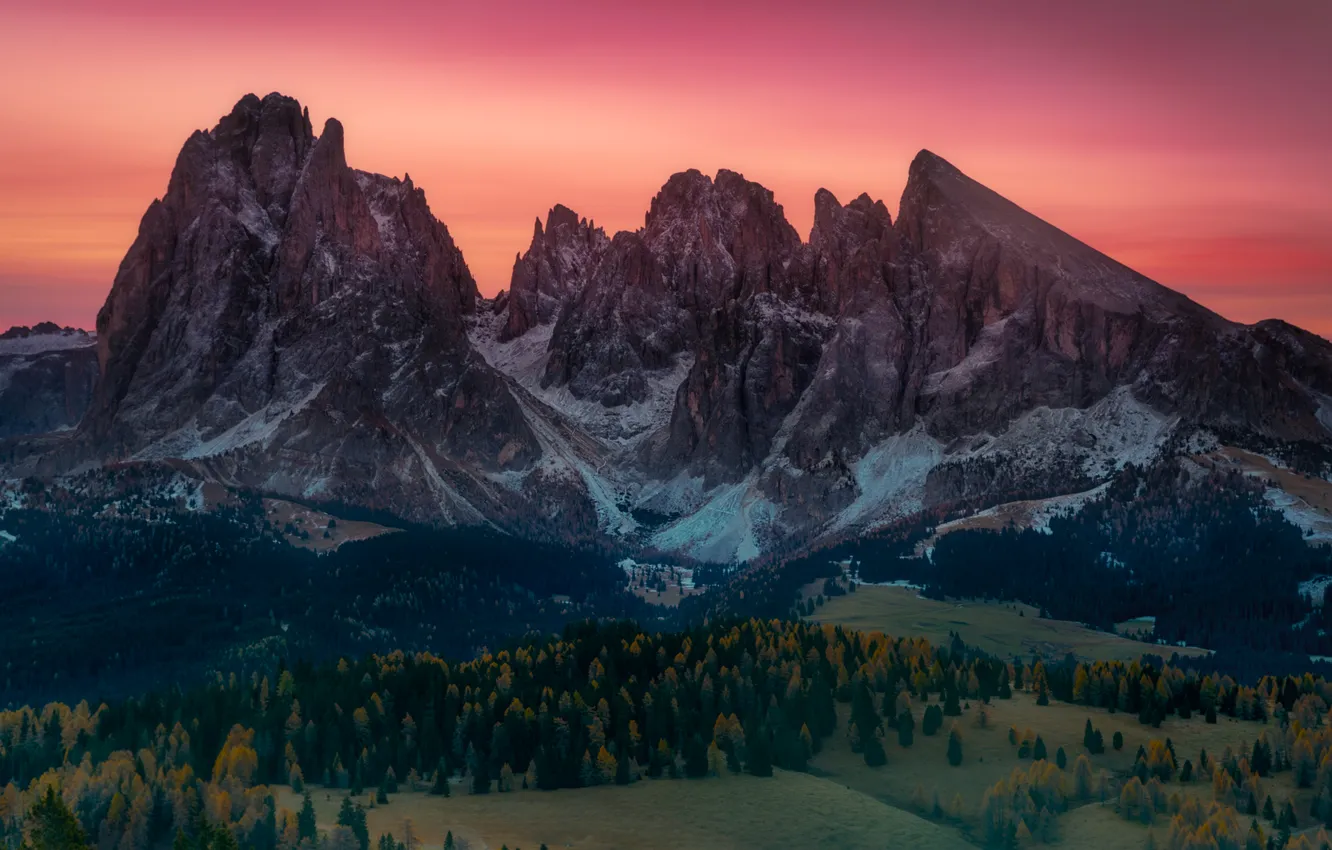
733 525
1313 589
890 480
258 428
1316 525
42 343
523 360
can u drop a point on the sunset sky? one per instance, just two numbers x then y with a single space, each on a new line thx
1190 140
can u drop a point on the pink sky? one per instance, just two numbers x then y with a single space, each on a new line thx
1190 140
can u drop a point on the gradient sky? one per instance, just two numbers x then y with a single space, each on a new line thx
1190 140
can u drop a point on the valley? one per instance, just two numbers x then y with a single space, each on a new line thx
909 530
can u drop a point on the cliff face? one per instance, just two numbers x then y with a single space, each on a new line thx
286 322
47 375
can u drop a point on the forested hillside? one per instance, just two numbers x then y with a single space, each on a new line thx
1197 548
603 704
123 591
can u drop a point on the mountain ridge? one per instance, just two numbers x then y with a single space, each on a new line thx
286 323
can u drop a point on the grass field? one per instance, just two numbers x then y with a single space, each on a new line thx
1006 629
989 757
789 810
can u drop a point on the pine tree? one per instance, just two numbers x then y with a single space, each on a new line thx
448 841
951 708
54 826
1117 741
352 816
1287 819
758 751
1038 752
1061 759
954 746
440 787
906 730
873 751
305 821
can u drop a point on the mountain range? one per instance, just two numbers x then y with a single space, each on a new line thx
711 384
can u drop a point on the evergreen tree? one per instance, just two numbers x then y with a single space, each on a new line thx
54 826
352 816
1117 741
440 787
481 777
873 752
906 729
1061 759
932 721
305 821
758 751
696 758
951 707
954 747
1038 752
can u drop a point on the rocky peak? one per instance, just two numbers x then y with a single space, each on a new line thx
261 223
554 269
853 247
272 137
721 239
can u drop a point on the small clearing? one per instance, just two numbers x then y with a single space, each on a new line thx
315 530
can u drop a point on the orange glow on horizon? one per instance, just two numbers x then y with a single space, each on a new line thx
1189 143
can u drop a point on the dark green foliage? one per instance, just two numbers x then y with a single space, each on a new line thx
305 819
1260 759
873 752
440 787
1178 542
906 726
932 721
352 816
951 707
1117 741
954 748
234 583
1061 758
54 826
758 752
